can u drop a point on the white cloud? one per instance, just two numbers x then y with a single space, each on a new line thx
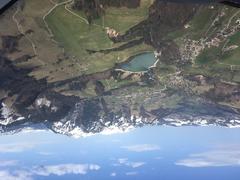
126 162
142 147
19 147
135 164
45 153
94 167
122 160
16 147
228 156
4 163
18 175
134 173
63 169
113 174
116 164
59 170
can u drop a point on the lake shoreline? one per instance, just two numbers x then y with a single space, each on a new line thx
134 56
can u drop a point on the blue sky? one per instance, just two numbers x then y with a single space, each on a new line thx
147 153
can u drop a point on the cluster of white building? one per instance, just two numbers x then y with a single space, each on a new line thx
193 48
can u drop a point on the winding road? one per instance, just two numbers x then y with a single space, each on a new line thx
21 31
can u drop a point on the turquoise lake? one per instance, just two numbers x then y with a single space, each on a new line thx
140 62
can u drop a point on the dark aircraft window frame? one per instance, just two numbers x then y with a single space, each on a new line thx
235 3
7 5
